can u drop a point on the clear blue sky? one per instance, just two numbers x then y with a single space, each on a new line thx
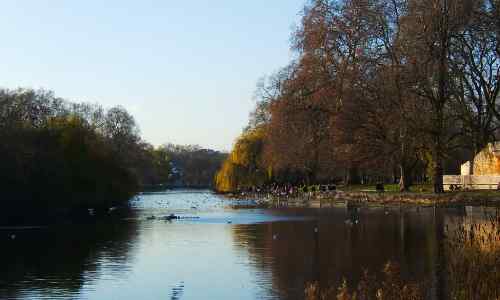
185 69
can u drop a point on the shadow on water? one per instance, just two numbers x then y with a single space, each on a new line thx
294 255
57 261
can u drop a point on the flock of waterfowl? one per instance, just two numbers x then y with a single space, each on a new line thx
194 205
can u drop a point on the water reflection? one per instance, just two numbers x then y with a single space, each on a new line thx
262 254
56 263
294 254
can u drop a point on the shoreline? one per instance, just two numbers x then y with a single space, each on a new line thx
31 221
340 198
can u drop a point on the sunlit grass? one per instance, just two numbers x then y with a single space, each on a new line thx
389 288
473 254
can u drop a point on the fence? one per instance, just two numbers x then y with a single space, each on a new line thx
471 182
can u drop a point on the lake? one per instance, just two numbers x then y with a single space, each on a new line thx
221 249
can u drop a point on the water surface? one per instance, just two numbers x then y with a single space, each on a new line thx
222 249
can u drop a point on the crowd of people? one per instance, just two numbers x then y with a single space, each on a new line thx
290 191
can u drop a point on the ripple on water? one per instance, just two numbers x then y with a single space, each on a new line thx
262 254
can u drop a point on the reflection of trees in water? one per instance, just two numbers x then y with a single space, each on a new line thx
58 261
342 250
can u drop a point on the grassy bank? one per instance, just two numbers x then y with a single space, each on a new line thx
418 195
367 195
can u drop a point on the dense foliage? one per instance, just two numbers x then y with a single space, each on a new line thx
243 168
380 90
59 158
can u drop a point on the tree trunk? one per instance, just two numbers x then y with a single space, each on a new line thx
353 177
442 98
437 173
405 179
471 164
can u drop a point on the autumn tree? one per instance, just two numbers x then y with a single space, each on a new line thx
475 66
382 84
244 167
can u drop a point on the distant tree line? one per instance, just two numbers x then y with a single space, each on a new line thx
192 166
60 158
379 90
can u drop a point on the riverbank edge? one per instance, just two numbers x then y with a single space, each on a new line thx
466 198
376 199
